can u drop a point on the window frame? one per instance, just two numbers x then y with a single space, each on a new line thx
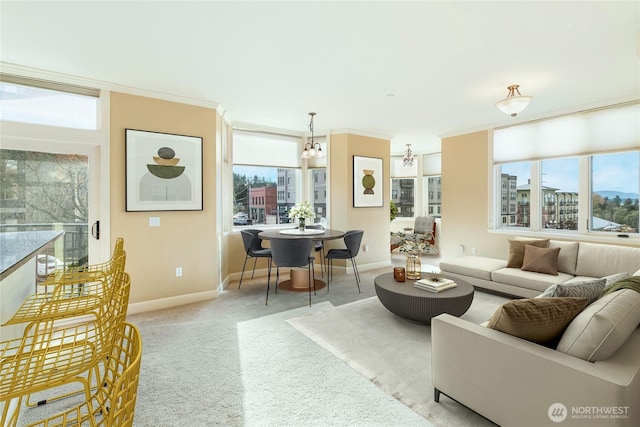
584 197
303 190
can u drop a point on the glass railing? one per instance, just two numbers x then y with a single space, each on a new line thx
75 239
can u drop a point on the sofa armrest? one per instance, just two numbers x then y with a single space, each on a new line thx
514 382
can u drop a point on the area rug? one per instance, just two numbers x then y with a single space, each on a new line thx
290 381
393 353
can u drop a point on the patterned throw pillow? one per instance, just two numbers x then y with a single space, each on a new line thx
539 320
590 289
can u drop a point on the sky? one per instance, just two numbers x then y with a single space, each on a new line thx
611 172
269 173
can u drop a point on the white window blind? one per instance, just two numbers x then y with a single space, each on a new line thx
590 132
265 149
398 170
432 164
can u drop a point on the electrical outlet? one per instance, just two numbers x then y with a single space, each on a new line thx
178 271
473 251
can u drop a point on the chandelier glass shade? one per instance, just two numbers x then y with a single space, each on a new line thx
408 158
312 149
513 104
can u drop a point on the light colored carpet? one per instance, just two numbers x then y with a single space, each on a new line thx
235 361
393 353
288 380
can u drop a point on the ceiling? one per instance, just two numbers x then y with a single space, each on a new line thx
410 71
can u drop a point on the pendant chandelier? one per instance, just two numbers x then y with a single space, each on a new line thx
407 160
312 149
513 104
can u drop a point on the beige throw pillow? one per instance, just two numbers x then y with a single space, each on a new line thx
539 320
601 329
540 260
516 250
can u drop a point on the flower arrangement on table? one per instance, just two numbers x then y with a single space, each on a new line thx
301 212
413 244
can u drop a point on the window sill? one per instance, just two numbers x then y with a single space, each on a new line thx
610 238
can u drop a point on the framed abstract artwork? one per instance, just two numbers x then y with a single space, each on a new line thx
163 171
368 182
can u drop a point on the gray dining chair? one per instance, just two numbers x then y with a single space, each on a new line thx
253 249
319 247
292 253
352 240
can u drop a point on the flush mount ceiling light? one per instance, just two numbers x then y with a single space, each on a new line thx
407 160
313 149
513 104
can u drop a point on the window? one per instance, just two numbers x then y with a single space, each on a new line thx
515 189
403 187
266 177
432 183
403 191
578 172
414 196
559 184
318 184
615 182
434 201
48 103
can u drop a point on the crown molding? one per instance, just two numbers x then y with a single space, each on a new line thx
37 73
360 133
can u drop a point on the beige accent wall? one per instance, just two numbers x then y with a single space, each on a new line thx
465 193
186 239
374 221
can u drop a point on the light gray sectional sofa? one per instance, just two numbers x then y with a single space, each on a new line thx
577 261
592 376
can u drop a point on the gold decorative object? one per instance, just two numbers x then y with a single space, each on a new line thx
414 267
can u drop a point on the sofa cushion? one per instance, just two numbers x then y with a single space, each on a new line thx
568 255
473 266
601 328
539 320
516 250
590 289
540 260
597 260
528 279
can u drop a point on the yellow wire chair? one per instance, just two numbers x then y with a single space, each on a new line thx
110 266
113 403
55 352
72 295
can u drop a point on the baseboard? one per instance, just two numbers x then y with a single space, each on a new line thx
160 304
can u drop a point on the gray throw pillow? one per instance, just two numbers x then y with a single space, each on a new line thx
591 289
